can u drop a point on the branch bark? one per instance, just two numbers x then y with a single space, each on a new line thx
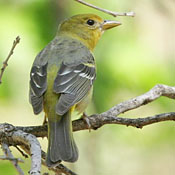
11 136
110 116
10 157
153 94
26 136
115 14
35 149
97 121
5 63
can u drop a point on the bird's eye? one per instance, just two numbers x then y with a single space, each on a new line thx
90 22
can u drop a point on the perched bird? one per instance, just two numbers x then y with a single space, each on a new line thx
61 80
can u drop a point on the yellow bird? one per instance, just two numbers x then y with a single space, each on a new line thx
61 80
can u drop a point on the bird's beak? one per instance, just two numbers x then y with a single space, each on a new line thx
110 24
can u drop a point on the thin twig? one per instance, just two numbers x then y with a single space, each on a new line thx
23 154
60 168
153 94
10 157
115 14
5 63
98 122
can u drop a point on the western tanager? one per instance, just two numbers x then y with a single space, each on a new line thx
61 80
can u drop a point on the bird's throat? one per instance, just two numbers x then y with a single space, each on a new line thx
89 39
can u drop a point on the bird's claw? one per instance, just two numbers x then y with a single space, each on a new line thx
87 121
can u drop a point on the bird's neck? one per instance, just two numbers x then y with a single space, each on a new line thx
89 40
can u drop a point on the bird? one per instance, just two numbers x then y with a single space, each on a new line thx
61 80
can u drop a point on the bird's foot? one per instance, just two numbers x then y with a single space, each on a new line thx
87 121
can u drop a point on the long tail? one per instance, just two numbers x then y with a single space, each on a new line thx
61 144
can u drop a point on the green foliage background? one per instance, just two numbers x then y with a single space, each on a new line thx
131 59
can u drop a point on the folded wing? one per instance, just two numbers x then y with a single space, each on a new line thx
73 83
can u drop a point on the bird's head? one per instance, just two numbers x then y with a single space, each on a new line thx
87 28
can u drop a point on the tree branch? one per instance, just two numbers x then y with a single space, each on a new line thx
23 154
5 63
97 121
28 142
156 92
26 136
110 116
11 136
35 149
115 14
9 156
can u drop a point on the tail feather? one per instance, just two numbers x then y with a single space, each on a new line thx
61 143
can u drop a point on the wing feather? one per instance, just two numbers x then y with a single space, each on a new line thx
73 83
38 85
